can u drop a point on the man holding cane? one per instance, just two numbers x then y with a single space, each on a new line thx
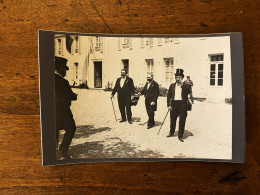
125 88
177 103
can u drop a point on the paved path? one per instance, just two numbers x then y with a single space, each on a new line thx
208 130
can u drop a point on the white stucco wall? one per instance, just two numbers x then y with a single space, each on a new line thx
190 54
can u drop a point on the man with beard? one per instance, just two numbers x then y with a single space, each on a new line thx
63 98
177 103
125 88
151 93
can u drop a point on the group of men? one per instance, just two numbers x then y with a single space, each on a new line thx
177 98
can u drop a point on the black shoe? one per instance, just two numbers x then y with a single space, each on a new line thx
170 135
122 120
64 155
150 126
130 122
181 139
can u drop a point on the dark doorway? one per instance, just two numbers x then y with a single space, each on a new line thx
98 74
126 65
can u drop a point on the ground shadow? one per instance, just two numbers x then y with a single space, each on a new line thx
186 134
84 131
136 119
114 148
158 123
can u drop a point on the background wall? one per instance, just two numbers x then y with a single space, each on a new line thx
20 138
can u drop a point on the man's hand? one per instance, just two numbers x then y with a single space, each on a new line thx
169 108
152 103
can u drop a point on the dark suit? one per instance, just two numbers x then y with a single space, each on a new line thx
124 96
151 95
179 108
64 116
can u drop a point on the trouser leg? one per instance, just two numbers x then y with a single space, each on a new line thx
121 105
150 113
174 115
182 121
70 129
128 109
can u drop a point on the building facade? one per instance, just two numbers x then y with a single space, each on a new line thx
99 60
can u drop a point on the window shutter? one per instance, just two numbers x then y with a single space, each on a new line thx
101 44
130 43
142 42
79 44
119 43
159 41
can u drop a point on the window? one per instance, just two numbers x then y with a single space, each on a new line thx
59 46
150 67
97 41
99 44
75 71
77 44
149 41
168 40
168 70
216 70
159 41
176 40
126 43
119 44
142 42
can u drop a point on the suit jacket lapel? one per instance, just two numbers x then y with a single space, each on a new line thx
150 86
173 91
126 80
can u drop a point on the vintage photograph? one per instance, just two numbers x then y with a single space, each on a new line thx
143 97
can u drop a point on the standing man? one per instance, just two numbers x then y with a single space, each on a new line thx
151 93
189 83
125 88
63 98
177 103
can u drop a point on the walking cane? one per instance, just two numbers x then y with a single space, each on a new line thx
163 122
113 108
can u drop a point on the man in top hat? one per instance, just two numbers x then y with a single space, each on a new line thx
177 103
151 93
125 88
63 98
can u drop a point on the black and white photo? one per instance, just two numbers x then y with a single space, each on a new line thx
142 97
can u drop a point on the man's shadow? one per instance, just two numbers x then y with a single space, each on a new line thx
186 134
157 123
136 119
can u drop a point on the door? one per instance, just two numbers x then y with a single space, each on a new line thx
98 74
126 65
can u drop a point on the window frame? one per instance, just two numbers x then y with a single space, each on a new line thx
217 70
149 66
169 73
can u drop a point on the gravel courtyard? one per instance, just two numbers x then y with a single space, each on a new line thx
208 130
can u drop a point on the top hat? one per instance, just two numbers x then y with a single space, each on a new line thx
61 62
179 72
